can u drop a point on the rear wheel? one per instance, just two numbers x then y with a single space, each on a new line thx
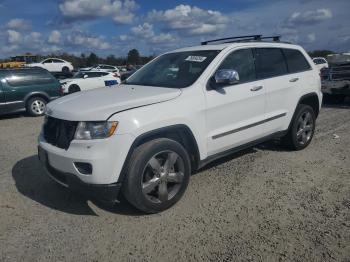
302 128
158 175
65 69
73 88
36 106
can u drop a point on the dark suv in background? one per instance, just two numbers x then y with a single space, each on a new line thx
27 89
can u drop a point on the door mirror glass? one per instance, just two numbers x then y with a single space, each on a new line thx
226 77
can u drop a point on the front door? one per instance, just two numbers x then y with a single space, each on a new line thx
235 113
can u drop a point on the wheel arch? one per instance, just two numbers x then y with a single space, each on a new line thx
312 100
74 85
180 133
36 94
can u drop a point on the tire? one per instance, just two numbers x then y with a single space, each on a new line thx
302 128
65 69
73 88
151 185
36 106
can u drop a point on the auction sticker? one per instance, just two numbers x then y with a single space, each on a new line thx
193 58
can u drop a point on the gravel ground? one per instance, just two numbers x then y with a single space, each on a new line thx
263 204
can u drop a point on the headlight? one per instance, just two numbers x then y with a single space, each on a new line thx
95 130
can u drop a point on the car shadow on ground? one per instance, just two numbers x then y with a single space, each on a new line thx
14 115
32 181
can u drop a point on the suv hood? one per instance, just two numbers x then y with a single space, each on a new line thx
99 104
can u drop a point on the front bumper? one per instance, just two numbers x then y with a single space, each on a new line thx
106 156
106 193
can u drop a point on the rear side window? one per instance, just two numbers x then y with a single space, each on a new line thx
32 77
241 61
94 74
296 61
319 61
270 62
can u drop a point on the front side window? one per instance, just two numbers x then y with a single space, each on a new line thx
47 61
296 61
173 70
270 62
57 61
241 61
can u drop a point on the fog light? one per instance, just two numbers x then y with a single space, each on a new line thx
84 168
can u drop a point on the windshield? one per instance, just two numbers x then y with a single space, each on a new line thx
174 70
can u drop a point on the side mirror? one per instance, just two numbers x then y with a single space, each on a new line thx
85 76
226 77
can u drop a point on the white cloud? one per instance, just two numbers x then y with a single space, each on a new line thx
189 20
122 12
87 41
309 17
54 37
18 24
311 37
33 37
162 39
14 37
146 32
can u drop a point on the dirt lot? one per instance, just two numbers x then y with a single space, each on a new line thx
264 204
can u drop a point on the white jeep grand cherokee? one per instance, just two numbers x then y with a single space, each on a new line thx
174 115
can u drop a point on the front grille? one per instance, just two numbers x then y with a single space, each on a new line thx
59 132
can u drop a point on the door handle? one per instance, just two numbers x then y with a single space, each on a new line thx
294 80
256 88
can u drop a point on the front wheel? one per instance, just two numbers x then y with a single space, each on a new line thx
158 175
302 128
36 106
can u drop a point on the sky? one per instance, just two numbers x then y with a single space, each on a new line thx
116 26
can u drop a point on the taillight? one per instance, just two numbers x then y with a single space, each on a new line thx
60 90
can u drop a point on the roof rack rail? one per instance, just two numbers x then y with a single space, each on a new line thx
245 37
276 38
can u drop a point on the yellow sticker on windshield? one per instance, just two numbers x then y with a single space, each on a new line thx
193 58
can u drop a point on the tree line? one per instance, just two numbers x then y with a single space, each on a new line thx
86 60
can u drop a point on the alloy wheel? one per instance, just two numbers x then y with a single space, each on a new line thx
163 176
305 127
38 107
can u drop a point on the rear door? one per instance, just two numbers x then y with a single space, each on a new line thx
272 70
284 72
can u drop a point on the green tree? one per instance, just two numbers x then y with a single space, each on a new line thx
92 59
320 53
133 57
111 60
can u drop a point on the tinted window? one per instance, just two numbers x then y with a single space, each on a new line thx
47 61
93 74
319 61
270 62
33 77
107 67
173 70
296 61
57 61
243 62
